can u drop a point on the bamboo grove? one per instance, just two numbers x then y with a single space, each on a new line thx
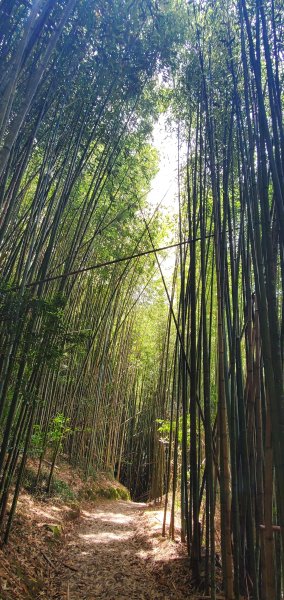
228 365
77 101
176 387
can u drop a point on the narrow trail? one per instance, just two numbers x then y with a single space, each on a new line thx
117 552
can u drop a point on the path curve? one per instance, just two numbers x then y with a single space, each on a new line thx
110 555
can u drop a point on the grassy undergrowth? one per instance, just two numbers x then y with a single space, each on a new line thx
99 486
59 488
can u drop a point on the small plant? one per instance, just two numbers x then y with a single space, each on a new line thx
61 488
57 434
37 441
56 529
59 430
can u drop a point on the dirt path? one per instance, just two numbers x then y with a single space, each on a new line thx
116 552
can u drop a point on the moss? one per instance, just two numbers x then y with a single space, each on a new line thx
111 493
97 486
124 493
115 493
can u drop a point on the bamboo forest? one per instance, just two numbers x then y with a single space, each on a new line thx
142 299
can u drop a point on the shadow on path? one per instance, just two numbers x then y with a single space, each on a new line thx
111 551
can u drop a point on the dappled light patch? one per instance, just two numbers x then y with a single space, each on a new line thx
118 540
104 537
110 549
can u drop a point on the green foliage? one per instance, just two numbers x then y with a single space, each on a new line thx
60 488
113 493
59 429
29 480
56 433
55 528
124 493
88 493
164 426
37 441
73 188
149 327
110 493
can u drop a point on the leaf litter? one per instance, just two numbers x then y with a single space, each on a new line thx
111 550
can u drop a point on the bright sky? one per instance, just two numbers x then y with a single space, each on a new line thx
164 188
164 185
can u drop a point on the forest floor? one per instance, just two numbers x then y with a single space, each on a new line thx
95 549
117 551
